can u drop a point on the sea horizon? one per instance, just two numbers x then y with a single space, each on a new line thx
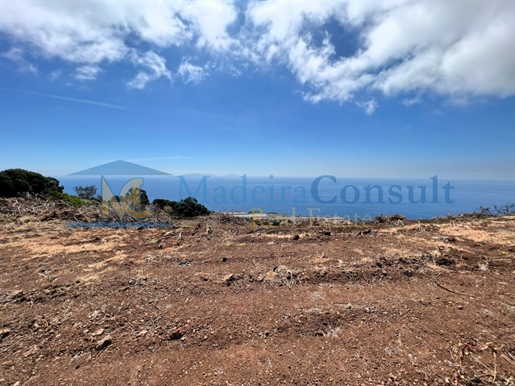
329 196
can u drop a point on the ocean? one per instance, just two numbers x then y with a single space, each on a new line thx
321 196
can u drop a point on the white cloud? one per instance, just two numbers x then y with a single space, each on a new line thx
87 72
474 56
191 73
457 49
23 65
76 32
369 106
91 32
450 48
209 21
155 66
14 54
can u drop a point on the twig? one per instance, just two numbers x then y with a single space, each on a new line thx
454 292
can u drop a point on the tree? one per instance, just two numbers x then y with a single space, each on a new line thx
17 182
86 192
189 207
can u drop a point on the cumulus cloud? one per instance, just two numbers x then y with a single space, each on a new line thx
449 48
210 20
337 51
91 32
74 31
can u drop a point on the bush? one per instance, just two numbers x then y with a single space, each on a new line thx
17 182
189 207
73 200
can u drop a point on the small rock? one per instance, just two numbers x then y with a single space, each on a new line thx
408 273
14 295
142 333
98 332
228 278
104 342
4 333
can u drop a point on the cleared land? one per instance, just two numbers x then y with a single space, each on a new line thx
215 301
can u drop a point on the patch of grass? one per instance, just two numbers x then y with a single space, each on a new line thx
72 200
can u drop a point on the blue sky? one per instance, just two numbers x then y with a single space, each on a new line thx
357 89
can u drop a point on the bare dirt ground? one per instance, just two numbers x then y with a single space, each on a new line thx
220 302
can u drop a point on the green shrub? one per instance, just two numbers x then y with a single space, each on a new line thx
189 207
17 182
73 200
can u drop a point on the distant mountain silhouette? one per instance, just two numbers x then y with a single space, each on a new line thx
120 168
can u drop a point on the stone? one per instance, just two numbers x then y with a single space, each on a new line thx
104 342
98 332
229 278
14 296
4 333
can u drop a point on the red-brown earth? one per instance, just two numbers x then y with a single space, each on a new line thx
217 301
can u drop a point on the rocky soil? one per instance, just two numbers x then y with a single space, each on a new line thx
217 301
